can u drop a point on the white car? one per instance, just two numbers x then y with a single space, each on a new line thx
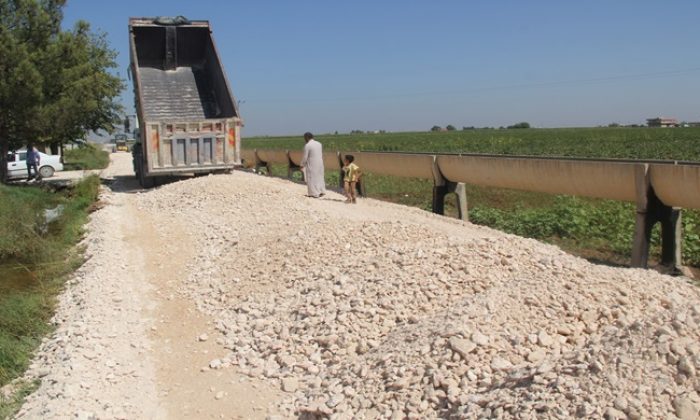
17 164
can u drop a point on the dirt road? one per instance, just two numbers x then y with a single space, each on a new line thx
234 296
128 345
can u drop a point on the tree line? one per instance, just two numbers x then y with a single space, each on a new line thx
55 85
451 127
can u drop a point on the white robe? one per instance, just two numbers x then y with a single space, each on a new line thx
312 162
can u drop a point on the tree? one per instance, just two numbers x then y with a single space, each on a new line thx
20 80
127 125
80 92
450 127
436 128
520 125
54 85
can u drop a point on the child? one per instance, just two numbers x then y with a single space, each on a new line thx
352 176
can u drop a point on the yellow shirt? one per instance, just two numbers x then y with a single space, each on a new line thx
352 173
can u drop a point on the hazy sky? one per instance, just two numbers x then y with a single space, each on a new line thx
326 65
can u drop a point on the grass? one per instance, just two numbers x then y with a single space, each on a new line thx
9 405
600 230
604 142
88 156
34 262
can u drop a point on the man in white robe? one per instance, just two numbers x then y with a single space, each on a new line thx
312 166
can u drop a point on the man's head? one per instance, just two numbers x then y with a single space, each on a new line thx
308 136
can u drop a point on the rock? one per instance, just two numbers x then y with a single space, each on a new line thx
634 415
544 339
685 408
585 410
219 395
287 360
678 346
589 316
499 363
564 330
544 368
480 339
536 356
686 367
399 384
335 400
461 346
290 384
203 337
316 358
620 403
614 414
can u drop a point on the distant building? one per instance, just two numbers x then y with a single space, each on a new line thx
662 122
694 124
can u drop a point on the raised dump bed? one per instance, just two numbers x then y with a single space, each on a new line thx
188 116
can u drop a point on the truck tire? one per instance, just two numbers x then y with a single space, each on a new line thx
147 181
144 181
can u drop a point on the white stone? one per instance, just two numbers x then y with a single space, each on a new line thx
686 409
544 339
479 339
499 363
290 384
462 346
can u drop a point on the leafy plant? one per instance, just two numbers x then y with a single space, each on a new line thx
86 157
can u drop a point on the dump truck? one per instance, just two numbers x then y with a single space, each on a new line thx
120 144
188 116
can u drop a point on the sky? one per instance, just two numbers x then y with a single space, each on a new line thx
407 65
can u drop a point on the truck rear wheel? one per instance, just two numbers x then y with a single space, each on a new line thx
147 181
144 181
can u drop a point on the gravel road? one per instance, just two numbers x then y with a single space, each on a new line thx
234 296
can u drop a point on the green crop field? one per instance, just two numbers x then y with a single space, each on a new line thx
622 142
599 230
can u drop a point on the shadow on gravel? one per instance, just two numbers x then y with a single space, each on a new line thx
600 261
298 181
653 265
122 183
129 184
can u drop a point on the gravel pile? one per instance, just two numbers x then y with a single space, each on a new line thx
376 310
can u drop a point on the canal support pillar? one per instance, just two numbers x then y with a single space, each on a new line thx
440 193
650 211
293 167
259 164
